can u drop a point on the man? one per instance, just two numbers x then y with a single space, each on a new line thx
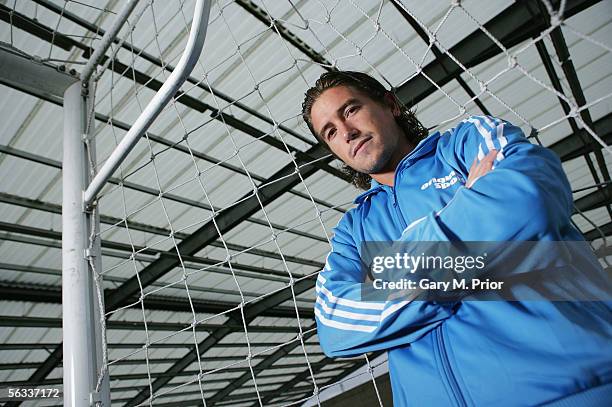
481 181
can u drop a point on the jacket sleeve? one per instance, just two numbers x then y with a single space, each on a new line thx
348 326
525 197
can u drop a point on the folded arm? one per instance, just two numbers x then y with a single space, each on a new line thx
526 196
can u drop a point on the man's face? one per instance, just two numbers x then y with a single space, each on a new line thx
361 132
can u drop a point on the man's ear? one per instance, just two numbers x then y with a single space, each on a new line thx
393 103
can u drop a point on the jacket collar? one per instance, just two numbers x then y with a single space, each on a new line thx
424 146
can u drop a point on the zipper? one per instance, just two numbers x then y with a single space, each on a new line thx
398 211
393 193
446 368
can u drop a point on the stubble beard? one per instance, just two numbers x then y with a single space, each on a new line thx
380 163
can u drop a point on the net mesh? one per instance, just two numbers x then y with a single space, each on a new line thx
216 225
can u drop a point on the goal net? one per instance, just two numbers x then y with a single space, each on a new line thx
215 226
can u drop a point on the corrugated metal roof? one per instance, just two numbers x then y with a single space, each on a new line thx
248 61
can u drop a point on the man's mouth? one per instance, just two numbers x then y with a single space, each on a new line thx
359 145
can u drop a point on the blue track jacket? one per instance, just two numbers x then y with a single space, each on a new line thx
471 353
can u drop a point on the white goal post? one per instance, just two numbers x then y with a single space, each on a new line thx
197 209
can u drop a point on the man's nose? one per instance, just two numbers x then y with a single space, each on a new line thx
349 132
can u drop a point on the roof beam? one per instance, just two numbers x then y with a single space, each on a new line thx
234 398
50 294
131 345
127 248
195 373
594 200
138 257
208 380
51 382
151 361
25 23
437 53
567 66
512 26
604 251
205 359
269 361
306 374
61 11
264 393
283 180
115 279
45 322
153 192
283 32
109 220
572 146
596 233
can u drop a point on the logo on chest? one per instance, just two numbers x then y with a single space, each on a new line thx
442 183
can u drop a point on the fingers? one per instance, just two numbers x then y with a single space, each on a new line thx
478 169
491 156
474 165
487 163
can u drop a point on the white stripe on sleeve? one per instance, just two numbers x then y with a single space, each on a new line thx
347 314
483 132
351 303
342 325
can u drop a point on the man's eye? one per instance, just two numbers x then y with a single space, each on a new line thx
331 133
350 110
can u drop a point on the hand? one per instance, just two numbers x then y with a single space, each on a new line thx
478 169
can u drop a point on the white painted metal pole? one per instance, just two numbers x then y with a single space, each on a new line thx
107 40
79 354
183 69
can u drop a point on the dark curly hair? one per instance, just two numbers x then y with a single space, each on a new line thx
407 121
